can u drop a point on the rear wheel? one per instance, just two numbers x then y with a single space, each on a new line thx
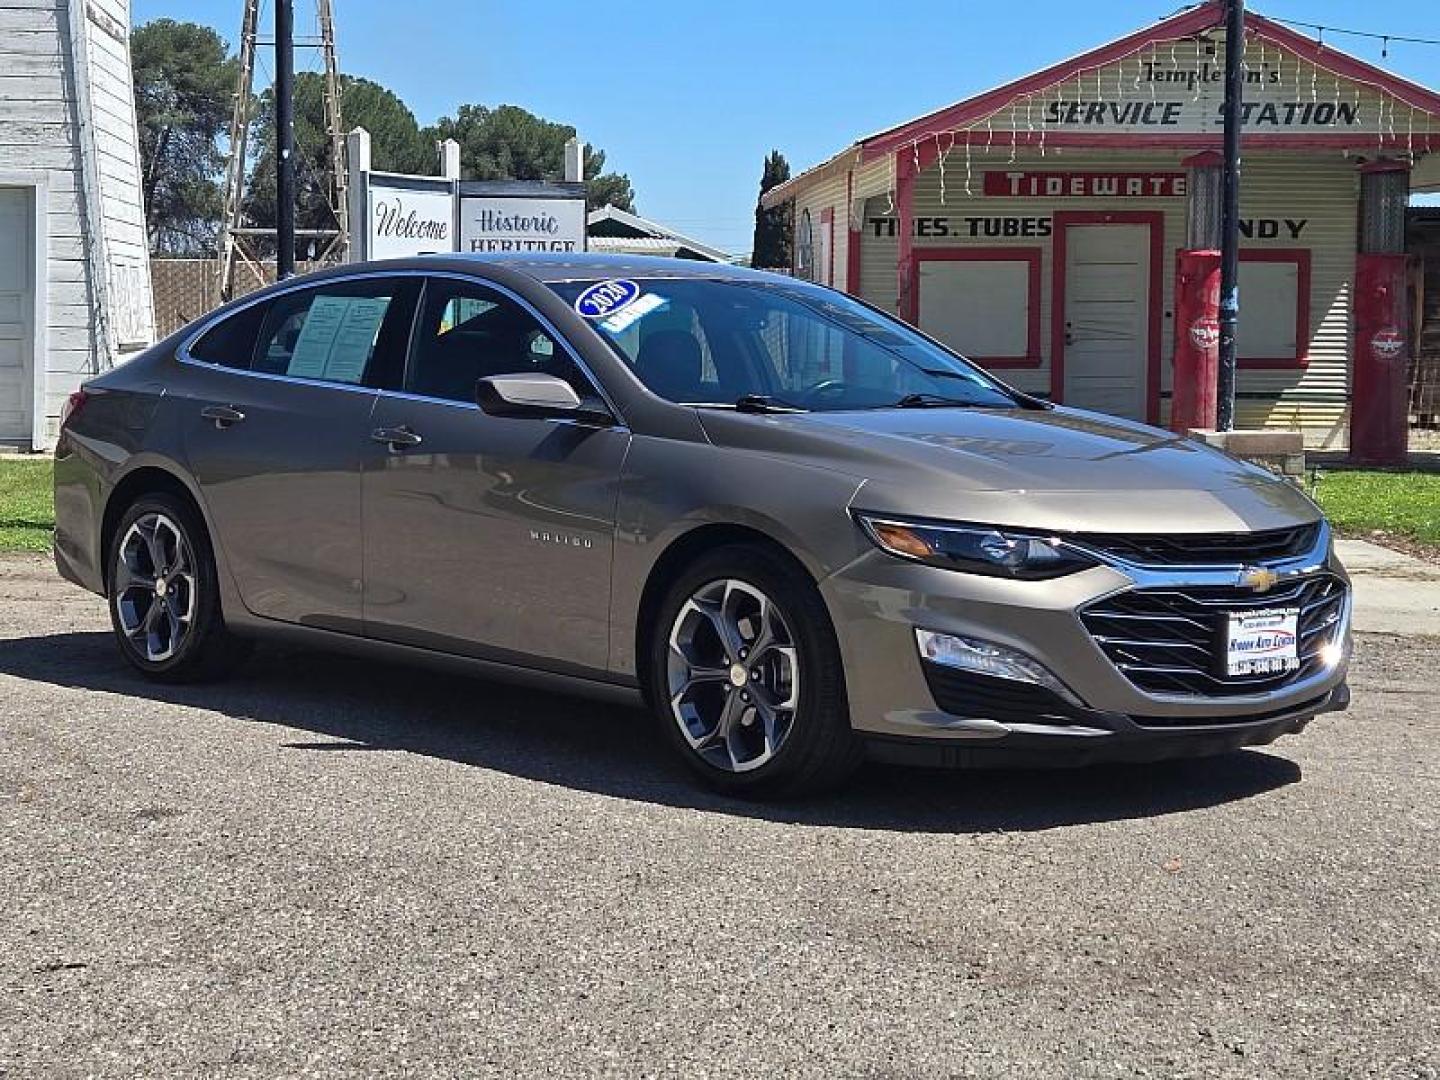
164 594
746 678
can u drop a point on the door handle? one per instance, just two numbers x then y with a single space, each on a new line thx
223 415
396 438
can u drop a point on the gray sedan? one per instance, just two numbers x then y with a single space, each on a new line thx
796 528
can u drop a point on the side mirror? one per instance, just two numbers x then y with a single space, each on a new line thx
535 396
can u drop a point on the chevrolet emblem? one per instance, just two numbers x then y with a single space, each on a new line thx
1258 578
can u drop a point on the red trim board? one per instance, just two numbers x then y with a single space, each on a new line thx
827 222
1030 255
852 248
1063 219
928 154
905 214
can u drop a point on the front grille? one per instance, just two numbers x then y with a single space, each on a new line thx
1006 701
1203 549
1172 640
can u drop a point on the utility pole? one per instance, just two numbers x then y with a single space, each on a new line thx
284 138
1230 217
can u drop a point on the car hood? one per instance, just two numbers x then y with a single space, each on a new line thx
1060 469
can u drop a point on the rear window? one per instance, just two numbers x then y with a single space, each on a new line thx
231 342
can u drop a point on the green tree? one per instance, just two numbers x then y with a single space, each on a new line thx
774 228
184 82
509 143
396 143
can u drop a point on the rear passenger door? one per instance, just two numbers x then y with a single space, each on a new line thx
488 536
276 413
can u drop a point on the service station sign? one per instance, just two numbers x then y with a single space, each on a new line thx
1167 91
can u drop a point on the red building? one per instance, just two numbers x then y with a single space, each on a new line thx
1062 228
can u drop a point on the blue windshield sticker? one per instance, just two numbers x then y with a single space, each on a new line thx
605 298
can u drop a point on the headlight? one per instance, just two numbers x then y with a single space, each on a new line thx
975 549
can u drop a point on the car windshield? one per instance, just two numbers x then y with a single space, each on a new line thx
774 346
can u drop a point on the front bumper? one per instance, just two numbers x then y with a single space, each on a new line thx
877 602
1123 742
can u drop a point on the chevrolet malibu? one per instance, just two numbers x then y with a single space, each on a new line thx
797 529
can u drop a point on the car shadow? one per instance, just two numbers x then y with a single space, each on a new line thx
353 705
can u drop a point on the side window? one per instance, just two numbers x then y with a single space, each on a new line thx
349 332
468 332
231 342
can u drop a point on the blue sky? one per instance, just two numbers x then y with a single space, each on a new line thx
688 97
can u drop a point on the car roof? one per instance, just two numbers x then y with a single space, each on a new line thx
583 266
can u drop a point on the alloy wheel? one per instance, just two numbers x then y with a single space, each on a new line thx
154 588
733 675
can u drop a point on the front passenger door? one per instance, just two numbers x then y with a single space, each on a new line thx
484 535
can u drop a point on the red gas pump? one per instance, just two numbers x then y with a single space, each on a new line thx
1197 340
1379 414
1379 424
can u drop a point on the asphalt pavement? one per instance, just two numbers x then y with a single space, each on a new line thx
329 867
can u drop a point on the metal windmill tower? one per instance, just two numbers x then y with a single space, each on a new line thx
235 236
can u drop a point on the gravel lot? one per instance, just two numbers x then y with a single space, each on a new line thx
335 868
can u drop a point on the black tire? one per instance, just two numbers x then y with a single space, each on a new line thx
819 750
204 649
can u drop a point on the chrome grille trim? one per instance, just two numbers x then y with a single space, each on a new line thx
1179 654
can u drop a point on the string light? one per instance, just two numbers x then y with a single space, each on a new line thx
940 160
1283 60
1384 39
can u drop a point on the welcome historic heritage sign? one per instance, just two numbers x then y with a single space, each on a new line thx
394 215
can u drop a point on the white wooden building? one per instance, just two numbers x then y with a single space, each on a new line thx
74 266
1036 227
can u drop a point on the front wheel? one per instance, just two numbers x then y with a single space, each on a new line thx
746 677
164 596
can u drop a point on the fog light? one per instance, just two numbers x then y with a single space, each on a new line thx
987 658
1331 654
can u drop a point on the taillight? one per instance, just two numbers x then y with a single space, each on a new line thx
73 404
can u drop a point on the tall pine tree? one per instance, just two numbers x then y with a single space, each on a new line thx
774 227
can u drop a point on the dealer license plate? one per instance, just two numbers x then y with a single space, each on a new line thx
1263 642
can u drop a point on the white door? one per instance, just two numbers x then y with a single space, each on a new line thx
1107 318
16 308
